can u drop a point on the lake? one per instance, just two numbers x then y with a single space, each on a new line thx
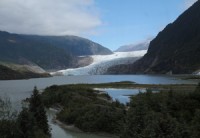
122 95
18 90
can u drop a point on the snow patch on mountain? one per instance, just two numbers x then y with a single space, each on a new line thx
197 72
101 63
143 45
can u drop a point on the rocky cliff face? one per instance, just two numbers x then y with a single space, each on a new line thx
176 49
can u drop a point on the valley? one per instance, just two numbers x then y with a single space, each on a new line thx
72 69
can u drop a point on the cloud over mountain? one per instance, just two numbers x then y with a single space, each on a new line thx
49 17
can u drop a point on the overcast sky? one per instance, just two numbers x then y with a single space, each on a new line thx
111 23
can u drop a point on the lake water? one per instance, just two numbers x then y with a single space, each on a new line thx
18 90
122 95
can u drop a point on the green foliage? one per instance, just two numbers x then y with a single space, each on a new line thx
37 109
5 108
26 123
163 115
86 108
31 122
100 118
7 119
8 129
40 134
195 124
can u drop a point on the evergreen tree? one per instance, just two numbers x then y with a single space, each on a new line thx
8 129
36 107
198 88
195 125
26 123
135 118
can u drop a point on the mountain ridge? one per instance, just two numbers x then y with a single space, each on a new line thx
134 47
48 52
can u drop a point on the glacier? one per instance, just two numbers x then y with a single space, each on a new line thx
101 63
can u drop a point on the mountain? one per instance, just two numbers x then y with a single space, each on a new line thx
7 73
134 47
48 52
18 49
73 44
176 49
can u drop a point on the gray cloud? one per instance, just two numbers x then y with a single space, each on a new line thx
49 17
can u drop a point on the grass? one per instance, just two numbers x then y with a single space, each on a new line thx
133 85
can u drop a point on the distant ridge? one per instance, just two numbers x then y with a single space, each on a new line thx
134 47
75 45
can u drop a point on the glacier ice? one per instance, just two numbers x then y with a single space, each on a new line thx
101 63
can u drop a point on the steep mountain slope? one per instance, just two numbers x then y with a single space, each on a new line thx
73 44
17 49
134 47
8 74
176 49
48 52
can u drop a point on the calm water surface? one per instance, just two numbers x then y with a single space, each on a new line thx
122 95
18 90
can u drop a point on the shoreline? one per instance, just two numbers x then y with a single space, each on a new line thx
116 85
72 128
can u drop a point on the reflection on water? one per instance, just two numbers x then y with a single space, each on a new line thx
122 95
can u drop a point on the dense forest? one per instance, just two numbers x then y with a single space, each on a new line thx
161 115
87 109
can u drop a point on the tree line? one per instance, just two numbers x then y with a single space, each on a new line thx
30 122
169 114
